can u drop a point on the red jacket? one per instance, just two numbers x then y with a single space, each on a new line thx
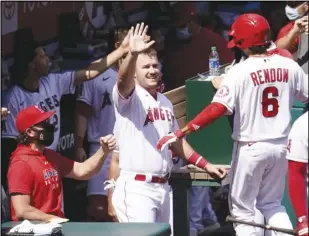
38 175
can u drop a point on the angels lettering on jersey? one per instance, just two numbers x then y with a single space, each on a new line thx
156 113
49 104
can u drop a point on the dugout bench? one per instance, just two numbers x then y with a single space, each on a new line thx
213 142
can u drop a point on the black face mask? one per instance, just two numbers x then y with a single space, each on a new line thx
45 136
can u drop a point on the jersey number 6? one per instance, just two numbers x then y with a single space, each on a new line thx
270 104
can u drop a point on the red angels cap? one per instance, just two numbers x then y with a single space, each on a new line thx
30 116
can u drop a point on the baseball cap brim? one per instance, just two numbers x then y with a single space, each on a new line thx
44 116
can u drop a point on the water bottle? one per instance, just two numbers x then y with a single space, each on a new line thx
214 63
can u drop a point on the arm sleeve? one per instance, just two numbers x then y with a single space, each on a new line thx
121 102
86 92
301 86
20 178
64 82
227 93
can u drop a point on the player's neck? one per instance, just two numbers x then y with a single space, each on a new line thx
31 82
153 92
37 147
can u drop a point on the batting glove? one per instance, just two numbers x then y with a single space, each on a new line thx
169 139
302 226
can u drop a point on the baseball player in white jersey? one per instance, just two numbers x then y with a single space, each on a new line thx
37 87
142 116
297 156
261 98
97 95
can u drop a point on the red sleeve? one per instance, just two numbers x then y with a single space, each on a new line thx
63 164
297 187
211 113
283 32
20 178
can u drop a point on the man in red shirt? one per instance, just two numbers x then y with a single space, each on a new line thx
35 172
187 47
288 36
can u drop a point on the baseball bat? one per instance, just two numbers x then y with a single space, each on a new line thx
267 227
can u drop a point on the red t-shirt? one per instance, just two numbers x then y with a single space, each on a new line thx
39 175
193 58
284 31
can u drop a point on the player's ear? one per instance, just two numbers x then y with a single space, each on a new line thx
28 131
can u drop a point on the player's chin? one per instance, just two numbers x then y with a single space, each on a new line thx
152 83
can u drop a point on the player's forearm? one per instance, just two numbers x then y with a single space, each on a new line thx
211 113
183 149
126 74
297 187
98 67
286 42
32 213
92 165
114 170
80 125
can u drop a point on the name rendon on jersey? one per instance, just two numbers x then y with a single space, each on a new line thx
270 76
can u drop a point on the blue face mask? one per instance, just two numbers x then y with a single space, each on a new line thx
183 33
292 13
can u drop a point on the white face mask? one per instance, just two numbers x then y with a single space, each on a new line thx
292 13
183 33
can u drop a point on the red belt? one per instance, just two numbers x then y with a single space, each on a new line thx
154 179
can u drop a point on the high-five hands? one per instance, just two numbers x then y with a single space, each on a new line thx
108 143
169 139
215 172
138 40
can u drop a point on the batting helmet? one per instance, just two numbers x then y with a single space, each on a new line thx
249 30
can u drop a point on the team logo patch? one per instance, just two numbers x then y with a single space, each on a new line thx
223 91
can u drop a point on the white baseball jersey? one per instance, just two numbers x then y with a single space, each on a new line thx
51 88
298 140
141 121
261 92
97 93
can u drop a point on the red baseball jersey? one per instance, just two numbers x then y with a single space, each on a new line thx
38 175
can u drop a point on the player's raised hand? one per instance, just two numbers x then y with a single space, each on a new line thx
301 25
215 172
137 40
125 44
108 143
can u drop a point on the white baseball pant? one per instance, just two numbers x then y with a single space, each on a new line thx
258 173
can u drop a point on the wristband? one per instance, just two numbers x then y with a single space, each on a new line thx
197 160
